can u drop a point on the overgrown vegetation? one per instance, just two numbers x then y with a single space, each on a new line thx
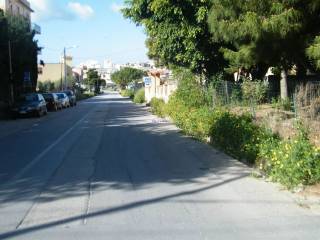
157 107
282 104
292 162
127 93
139 96
241 137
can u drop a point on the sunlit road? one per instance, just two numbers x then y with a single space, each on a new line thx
108 169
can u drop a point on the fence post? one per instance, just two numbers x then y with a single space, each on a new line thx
295 106
214 93
253 112
227 92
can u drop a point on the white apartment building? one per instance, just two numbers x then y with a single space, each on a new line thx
17 8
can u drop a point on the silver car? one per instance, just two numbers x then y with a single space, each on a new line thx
64 99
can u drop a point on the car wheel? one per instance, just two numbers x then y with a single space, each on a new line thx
39 113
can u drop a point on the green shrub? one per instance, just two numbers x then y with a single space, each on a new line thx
238 135
190 92
283 104
158 107
254 91
291 162
195 122
139 96
84 95
127 93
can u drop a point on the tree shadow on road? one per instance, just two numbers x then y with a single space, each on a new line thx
136 152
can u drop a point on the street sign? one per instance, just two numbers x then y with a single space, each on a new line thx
26 77
147 81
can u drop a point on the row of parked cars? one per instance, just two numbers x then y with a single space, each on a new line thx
39 104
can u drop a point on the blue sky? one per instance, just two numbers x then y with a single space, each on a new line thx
96 27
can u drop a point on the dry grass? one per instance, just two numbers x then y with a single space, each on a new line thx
308 100
282 122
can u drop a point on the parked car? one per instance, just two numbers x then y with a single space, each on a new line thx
52 101
30 104
72 97
64 100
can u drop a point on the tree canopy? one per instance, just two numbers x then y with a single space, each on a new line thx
178 33
93 80
24 51
127 75
264 33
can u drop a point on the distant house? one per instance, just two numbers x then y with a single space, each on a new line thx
54 72
160 85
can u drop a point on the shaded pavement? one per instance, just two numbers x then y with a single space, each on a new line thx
108 169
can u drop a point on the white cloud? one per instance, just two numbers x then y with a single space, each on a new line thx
82 10
49 10
46 10
115 7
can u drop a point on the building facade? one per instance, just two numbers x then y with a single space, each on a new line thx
54 72
17 8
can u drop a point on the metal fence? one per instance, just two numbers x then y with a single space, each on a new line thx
307 100
304 102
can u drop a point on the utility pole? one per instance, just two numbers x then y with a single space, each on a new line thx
10 74
65 68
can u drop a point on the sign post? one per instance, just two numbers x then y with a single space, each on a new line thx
147 81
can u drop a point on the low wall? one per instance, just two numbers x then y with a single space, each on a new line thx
161 92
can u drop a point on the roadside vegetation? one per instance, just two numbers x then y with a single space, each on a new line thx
291 162
126 76
263 122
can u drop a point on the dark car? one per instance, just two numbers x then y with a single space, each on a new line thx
64 100
30 104
72 97
52 101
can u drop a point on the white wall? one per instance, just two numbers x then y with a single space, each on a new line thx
159 91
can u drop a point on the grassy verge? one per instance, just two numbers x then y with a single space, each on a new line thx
83 96
290 162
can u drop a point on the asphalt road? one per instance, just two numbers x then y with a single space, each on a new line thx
108 169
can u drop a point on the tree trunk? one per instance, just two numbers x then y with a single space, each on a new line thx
284 84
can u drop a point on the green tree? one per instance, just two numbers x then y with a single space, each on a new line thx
313 51
93 80
127 75
178 33
263 33
4 66
24 51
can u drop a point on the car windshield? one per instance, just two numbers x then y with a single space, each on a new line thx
60 95
48 96
29 98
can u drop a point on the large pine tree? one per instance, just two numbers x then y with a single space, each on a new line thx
265 33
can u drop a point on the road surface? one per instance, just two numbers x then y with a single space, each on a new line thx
108 169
